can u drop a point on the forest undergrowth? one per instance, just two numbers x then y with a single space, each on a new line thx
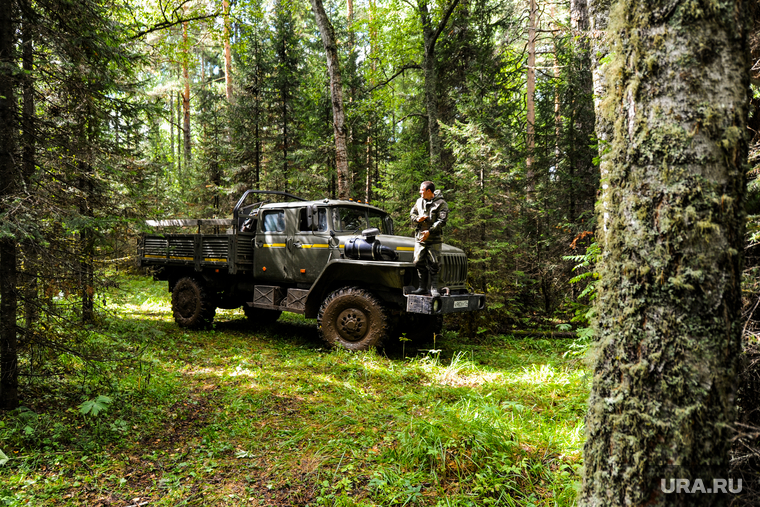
231 416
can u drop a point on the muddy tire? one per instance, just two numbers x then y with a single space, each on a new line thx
191 304
354 319
260 317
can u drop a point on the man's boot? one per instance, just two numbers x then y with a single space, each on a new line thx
434 285
422 289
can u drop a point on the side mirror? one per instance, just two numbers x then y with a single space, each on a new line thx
312 217
389 224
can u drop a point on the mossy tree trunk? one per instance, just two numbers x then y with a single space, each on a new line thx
669 330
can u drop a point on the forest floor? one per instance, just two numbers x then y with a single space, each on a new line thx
234 416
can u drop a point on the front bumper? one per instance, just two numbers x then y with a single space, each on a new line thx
429 305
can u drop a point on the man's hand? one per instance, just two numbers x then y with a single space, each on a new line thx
422 219
425 236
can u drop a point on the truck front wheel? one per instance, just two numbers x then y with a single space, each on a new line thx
353 318
191 304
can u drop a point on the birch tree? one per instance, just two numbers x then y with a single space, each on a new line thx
336 93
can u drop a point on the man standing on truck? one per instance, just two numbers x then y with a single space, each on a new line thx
428 215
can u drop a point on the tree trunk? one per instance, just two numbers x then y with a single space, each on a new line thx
179 138
8 186
598 18
669 323
579 19
227 51
530 138
171 124
584 174
29 144
431 87
258 79
557 79
186 94
86 247
429 39
8 341
368 176
285 137
28 99
336 92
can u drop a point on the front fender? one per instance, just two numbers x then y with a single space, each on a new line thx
382 275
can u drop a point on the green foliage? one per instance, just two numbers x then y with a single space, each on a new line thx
583 306
95 406
231 412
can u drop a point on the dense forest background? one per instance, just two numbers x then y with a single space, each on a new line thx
118 112
112 113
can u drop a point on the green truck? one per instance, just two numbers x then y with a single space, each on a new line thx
334 260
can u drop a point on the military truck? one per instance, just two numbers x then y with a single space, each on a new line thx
334 260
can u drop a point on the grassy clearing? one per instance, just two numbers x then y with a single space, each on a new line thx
271 417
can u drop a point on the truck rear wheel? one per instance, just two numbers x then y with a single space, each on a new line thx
353 318
261 317
191 305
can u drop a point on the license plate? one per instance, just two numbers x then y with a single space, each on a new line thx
461 304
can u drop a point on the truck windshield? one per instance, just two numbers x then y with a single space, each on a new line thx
349 219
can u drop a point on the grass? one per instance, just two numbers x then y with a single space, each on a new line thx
234 416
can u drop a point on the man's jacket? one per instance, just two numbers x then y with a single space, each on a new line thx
437 212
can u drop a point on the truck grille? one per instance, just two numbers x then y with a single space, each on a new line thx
453 270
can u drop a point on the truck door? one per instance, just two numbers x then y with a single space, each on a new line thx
312 248
272 245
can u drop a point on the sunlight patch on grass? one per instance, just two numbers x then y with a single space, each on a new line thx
240 371
543 374
146 307
476 379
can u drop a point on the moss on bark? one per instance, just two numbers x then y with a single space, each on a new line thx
669 332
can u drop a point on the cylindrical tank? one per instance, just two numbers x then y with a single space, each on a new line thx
368 248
